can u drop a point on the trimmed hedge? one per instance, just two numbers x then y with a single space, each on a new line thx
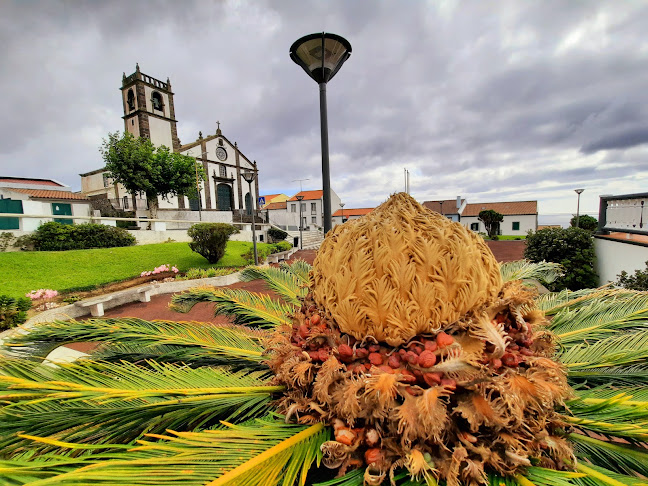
58 237
209 239
277 234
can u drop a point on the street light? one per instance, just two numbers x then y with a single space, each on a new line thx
198 188
301 226
578 191
249 177
342 206
322 56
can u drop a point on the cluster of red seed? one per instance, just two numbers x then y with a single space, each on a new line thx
413 360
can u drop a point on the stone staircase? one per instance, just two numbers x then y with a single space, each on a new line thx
312 239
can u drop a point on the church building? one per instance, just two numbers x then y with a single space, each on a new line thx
149 112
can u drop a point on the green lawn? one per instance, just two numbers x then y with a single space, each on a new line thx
21 272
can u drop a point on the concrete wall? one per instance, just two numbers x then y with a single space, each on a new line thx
160 130
614 256
527 222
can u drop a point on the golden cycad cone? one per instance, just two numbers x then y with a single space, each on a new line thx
401 271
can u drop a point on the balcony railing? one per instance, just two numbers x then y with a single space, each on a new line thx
627 213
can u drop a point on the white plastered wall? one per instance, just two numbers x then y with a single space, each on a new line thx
615 256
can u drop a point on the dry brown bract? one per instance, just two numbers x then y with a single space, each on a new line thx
412 349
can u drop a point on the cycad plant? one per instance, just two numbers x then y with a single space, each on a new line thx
405 355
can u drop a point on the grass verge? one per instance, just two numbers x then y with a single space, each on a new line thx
21 272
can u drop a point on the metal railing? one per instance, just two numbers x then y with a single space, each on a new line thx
627 213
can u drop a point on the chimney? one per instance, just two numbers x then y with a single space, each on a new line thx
458 202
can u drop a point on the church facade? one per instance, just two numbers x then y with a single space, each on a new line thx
149 112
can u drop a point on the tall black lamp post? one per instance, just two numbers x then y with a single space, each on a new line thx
249 177
322 56
342 206
301 221
578 191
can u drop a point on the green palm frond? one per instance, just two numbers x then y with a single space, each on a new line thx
264 452
601 317
611 376
541 476
243 307
299 268
555 301
623 459
525 269
195 339
599 476
621 412
352 478
284 283
108 402
623 349
190 356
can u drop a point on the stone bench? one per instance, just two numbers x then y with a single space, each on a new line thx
144 293
95 305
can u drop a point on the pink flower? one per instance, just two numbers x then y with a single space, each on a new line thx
42 294
175 269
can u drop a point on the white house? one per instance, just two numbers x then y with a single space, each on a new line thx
312 205
519 216
36 197
450 208
345 214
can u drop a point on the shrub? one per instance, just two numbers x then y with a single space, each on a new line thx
194 273
262 254
638 281
281 246
586 222
277 234
573 248
5 239
24 242
13 311
209 239
54 236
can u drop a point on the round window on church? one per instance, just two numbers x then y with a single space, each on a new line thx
221 153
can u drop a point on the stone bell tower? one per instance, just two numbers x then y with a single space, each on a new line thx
148 109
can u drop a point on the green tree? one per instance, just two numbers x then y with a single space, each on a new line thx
585 222
157 172
491 220
573 248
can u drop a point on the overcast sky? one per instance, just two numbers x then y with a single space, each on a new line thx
493 101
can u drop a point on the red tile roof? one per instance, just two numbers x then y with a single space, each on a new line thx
449 206
44 194
36 182
353 212
504 208
277 205
308 195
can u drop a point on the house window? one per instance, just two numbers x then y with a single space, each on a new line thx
156 100
125 202
314 219
474 226
313 208
293 208
105 180
516 226
222 170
